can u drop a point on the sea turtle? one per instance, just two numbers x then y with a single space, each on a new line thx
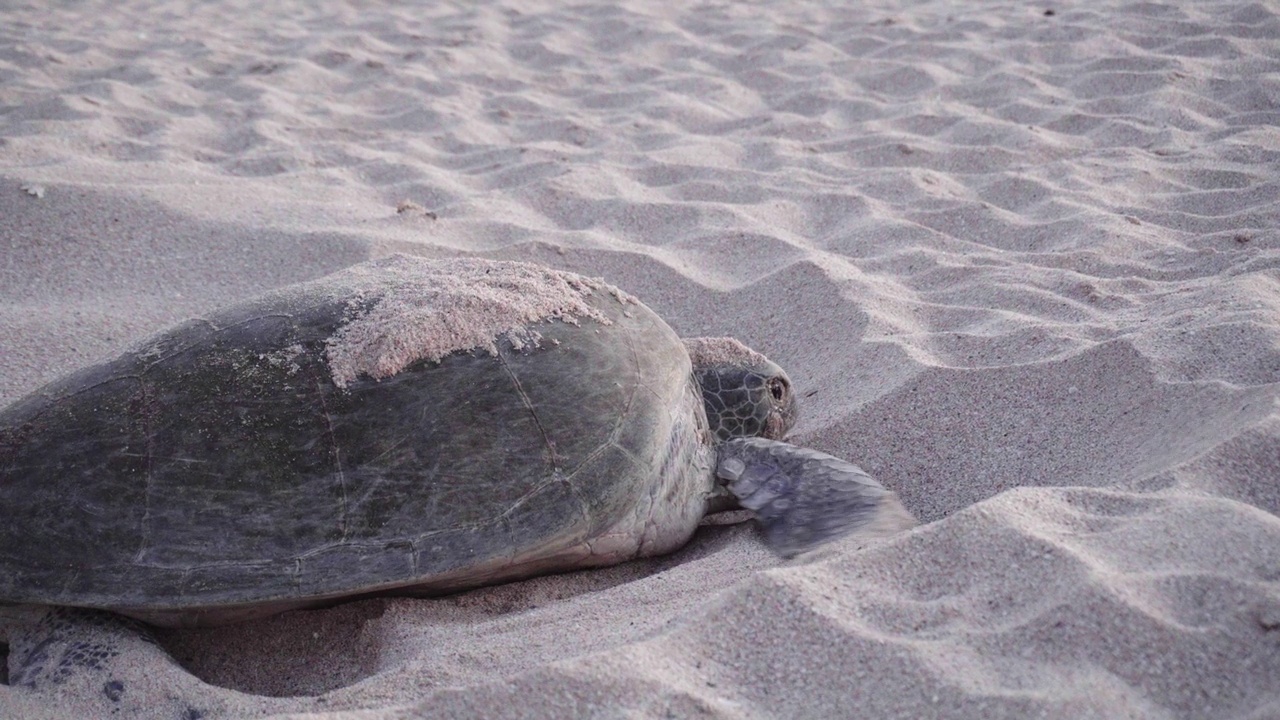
403 426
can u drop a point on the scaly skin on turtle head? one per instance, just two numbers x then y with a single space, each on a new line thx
746 394
748 402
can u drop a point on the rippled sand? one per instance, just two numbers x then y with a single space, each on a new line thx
1020 260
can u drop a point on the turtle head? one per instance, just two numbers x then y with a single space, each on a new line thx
746 394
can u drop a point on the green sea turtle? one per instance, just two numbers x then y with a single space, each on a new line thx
404 426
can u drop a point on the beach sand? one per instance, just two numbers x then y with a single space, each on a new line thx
1021 261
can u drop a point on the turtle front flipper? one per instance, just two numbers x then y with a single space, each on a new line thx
804 498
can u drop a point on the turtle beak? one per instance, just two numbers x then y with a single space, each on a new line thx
776 427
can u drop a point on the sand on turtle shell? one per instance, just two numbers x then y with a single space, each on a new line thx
711 351
426 309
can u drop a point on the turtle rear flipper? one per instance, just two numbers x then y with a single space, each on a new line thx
103 665
804 498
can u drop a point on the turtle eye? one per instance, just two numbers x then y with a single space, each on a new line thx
778 388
